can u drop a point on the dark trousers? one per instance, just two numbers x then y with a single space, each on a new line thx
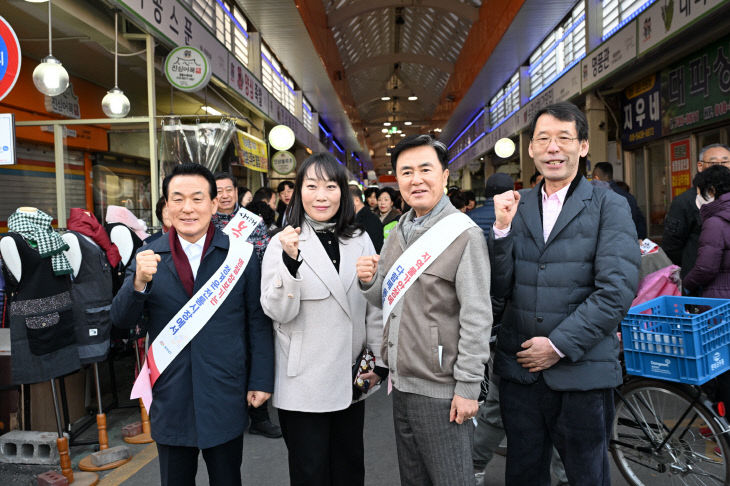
178 464
431 450
325 449
578 423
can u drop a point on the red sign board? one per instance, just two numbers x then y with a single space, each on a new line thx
681 172
9 58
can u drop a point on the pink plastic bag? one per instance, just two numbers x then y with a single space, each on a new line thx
661 282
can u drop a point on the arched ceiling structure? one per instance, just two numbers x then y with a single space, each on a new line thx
398 49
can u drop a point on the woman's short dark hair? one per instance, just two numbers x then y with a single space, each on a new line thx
369 191
563 111
414 141
190 169
284 184
715 179
390 192
159 207
325 168
263 194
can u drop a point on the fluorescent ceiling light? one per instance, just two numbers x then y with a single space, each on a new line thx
386 124
384 130
385 98
408 124
412 98
210 110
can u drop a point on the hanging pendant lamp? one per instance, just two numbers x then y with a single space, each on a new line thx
50 77
115 103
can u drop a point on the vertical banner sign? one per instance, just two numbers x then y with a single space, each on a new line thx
679 161
641 109
251 152
696 90
9 58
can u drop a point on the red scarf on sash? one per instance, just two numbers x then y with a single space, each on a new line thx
84 222
182 265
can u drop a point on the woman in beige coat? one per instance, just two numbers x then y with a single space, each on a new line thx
322 322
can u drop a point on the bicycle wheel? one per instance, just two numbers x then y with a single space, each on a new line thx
695 454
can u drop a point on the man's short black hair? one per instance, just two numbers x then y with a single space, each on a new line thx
414 141
225 175
605 170
469 196
533 178
190 169
159 207
355 192
284 184
457 200
564 111
263 194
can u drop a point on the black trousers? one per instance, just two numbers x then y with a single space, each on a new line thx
178 464
578 423
325 449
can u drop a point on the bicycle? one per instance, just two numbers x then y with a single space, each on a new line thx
663 432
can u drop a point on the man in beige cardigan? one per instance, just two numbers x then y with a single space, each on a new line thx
437 334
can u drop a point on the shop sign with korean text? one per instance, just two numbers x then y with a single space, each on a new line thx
10 58
173 21
641 110
187 69
66 104
680 168
245 84
283 162
614 53
696 90
251 151
664 18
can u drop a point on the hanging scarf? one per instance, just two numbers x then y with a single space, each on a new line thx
84 222
37 228
182 264
119 214
320 225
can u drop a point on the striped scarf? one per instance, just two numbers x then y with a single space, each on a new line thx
36 227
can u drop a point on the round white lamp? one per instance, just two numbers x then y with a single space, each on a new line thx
115 103
281 137
50 77
504 147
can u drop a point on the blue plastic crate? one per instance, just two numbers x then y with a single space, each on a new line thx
664 340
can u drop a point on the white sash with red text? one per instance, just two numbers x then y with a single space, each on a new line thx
196 313
417 258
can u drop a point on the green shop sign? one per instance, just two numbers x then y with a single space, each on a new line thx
696 90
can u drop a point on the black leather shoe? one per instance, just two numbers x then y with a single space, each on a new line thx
265 428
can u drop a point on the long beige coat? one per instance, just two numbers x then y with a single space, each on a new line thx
321 323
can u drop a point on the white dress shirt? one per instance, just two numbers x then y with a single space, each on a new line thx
194 252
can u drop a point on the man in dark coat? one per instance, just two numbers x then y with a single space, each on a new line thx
603 171
367 219
682 225
483 216
200 398
566 257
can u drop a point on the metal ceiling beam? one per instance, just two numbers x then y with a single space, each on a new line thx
349 11
400 57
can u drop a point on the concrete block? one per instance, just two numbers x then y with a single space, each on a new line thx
131 430
107 456
52 478
29 447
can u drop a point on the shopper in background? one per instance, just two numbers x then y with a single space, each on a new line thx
371 198
603 171
245 196
387 211
285 189
682 224
322 323
365 218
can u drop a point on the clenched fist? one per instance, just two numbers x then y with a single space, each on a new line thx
367 267
146 269
505 208
289 238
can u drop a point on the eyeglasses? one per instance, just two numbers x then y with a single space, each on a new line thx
715 162
562 142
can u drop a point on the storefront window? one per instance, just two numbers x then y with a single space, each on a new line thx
638 184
